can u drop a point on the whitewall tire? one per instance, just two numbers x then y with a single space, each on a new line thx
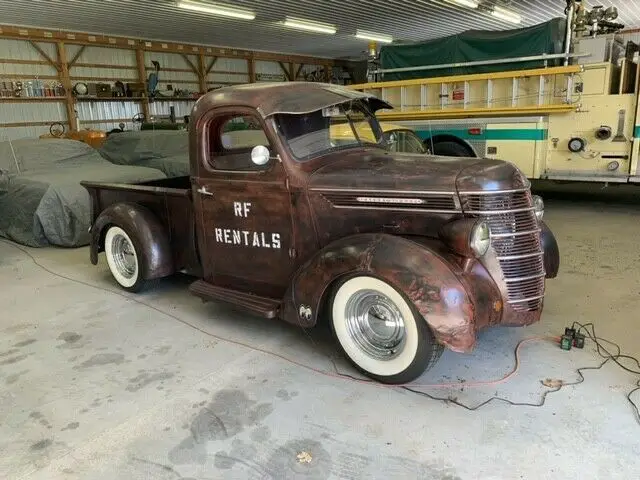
123 258
380 332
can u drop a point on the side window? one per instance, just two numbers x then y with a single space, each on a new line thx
232 140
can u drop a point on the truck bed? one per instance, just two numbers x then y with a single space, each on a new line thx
168 198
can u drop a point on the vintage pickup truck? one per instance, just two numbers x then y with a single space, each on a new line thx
403 254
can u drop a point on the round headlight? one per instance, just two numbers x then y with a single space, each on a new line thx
538 206
480 239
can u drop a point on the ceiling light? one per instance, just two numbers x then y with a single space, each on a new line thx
376 37
504 14
216 9
310 26
466 3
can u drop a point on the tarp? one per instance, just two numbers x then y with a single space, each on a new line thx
166 150
476 45
41 200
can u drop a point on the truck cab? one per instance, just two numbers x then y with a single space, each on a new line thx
285 216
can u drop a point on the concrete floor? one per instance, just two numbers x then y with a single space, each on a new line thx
97 386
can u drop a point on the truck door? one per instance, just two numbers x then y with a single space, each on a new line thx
243 210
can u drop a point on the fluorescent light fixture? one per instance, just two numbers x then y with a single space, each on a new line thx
466 3
309 25
376 37
216 9
504 14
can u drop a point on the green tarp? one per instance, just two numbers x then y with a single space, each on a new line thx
476 45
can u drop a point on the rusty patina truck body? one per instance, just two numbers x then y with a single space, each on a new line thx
404 254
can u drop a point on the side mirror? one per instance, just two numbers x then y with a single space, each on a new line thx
260 155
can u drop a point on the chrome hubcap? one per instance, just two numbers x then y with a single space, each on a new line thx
124 256
375 324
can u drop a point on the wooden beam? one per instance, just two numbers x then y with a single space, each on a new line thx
292 72
76 56
284 69
45 56
202 74
108 66
298 71
211 64
30 124
23 62
142 78
66 83
327 73
190 63
252 69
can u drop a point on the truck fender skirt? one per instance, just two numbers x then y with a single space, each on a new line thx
145 230
426 279
551 251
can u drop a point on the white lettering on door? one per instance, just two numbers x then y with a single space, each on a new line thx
246 238
241 209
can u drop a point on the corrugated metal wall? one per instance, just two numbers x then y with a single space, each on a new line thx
228 70
16 112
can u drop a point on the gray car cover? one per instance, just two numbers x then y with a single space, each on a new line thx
166 150
41 200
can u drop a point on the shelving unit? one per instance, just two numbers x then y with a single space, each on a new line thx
66 58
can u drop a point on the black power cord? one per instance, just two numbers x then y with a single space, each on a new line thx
589 329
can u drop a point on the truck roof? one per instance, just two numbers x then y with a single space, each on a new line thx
283 97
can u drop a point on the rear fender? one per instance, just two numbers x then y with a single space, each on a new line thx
425 277
144 228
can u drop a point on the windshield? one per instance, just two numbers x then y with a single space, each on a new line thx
333 128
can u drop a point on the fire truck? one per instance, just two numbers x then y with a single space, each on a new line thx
559 99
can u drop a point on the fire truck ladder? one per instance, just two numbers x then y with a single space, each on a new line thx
539 91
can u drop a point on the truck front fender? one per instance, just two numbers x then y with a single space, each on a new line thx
144 228
427 279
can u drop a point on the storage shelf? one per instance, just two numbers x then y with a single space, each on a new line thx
32 99
134 99
109 99
172 99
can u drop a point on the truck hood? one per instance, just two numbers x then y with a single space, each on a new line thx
376 169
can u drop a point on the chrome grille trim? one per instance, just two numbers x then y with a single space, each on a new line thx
515 239
400 201
522 279
522 300
517 257
526 232
494 192
496 212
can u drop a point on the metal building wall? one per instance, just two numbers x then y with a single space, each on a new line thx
227 71
103 65
16 112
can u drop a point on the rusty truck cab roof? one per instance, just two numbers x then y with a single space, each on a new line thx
282 98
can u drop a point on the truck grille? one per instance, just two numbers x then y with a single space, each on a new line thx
515 237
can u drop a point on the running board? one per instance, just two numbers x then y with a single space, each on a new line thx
262 306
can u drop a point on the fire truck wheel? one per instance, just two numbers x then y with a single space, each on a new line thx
451 149
380 331
123 258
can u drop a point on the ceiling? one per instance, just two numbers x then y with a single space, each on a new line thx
405 20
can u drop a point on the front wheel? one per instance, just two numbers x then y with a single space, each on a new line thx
380 332
124 259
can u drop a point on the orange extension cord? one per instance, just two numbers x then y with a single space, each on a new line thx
335 374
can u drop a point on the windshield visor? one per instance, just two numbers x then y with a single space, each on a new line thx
341 126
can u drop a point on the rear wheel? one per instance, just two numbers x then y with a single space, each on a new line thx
123 258
380 332
452 149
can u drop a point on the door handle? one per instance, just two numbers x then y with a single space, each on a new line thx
203 190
